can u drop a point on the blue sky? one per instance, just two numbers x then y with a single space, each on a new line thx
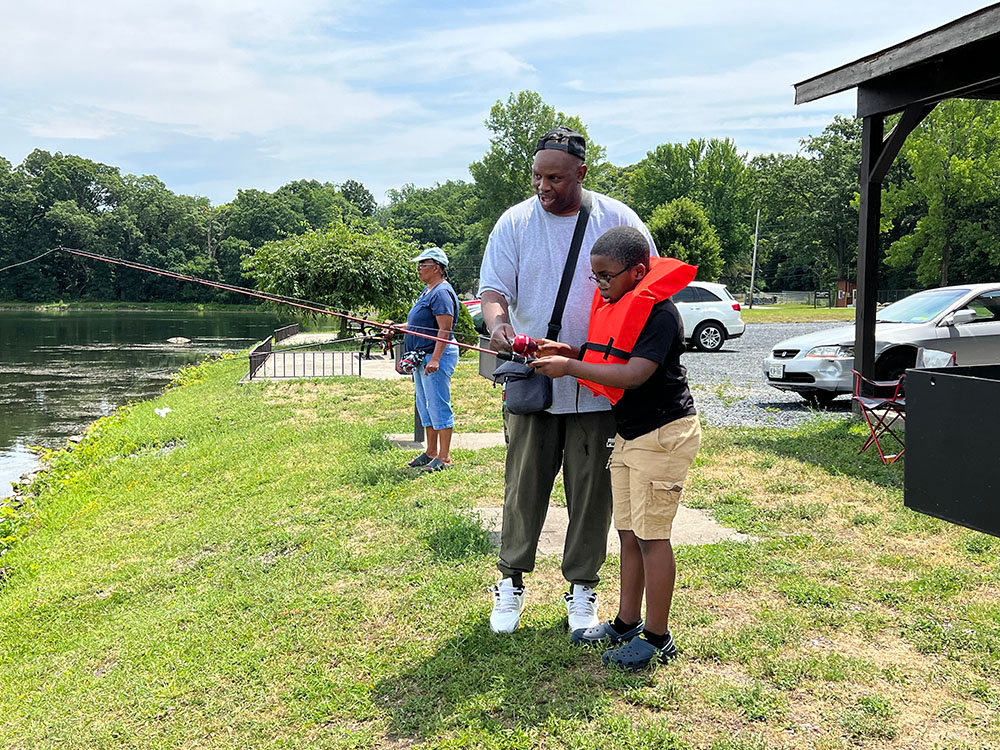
216 95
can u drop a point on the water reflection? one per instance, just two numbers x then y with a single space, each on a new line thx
61 370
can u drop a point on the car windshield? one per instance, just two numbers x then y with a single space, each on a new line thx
920 307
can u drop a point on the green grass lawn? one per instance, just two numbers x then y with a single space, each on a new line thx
257 570
796 313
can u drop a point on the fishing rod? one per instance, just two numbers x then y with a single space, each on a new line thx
524 357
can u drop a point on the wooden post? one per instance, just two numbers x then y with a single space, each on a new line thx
870 213
877 154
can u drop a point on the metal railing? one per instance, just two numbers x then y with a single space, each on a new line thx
259 355
308 361
285 332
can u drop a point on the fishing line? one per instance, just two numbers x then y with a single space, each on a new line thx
271 297
32 260
291 301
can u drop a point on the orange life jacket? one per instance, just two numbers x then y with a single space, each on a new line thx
615 326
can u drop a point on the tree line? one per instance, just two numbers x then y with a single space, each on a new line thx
332 243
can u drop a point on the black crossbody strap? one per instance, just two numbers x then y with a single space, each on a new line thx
608 350
555 325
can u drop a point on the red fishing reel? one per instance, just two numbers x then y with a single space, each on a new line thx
524 345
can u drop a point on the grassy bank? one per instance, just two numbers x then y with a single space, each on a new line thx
257 570
794 313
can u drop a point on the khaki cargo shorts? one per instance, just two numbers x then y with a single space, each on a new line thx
647 477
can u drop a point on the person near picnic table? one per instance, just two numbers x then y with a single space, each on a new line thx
434 312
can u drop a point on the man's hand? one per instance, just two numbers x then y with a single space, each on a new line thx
501 337
497 321
554 367
547 348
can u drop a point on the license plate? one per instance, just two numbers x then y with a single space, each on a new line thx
776 372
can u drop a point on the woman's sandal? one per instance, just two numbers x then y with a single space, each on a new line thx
435 464
422 460
638 653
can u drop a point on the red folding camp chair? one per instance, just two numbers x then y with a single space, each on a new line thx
882 404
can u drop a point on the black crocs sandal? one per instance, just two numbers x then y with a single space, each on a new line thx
638 653
435 464
605 633
422 460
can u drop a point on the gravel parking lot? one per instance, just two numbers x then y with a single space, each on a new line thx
729 388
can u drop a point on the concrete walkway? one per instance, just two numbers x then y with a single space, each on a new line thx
471 441
691 526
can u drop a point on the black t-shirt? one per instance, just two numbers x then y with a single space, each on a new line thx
665 396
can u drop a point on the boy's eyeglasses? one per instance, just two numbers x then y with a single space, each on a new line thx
605 279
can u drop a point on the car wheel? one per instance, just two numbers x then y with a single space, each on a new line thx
709 337
818 398
892 365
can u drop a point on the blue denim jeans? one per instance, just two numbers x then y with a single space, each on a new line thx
433 392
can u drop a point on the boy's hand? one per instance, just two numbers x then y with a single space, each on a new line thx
547 348
554 367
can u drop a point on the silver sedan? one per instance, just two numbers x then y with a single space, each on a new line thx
963 319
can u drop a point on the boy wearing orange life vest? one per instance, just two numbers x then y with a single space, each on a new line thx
632 356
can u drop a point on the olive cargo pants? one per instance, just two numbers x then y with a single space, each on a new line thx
537 445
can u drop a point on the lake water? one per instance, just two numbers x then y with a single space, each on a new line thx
61 370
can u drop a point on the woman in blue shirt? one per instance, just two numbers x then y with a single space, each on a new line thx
434 313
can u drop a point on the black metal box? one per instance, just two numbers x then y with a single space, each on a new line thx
487 362
952 447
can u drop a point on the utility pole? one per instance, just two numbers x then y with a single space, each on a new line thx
753 263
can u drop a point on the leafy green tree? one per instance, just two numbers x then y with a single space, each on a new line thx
809 215
503 176
612 181
778 186
723 191
257 217
954 156
681 230
438 215
829 186
356 266
666 173
442 215
359 196
317 203
713 174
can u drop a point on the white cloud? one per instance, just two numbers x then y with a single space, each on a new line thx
213 69
320 87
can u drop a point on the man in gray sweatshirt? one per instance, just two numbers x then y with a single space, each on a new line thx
519 279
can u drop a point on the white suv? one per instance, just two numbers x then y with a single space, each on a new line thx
710 315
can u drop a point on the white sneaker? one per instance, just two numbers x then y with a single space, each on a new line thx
581 607
508 601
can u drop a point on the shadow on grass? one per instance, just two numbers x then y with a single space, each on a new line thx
479 682
831 444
